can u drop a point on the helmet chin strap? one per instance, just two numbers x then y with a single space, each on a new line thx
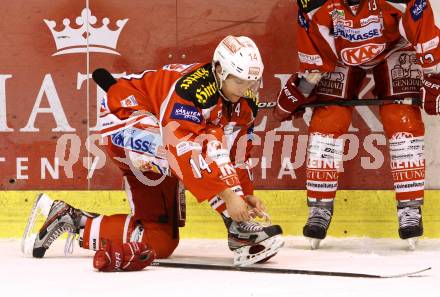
223 96
219 83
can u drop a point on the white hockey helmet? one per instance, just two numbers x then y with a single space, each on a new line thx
240 57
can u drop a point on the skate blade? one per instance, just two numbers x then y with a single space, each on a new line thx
41 206
244 258
412 243
314 243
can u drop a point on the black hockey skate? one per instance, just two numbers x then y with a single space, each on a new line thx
410 224
317 225
253 242
60 218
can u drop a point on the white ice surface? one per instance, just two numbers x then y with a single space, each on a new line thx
58 275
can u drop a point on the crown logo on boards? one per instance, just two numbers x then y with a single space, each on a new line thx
86 37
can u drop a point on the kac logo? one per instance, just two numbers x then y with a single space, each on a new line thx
362 54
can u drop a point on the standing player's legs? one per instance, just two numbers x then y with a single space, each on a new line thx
400 78
405 131
325 149
324 159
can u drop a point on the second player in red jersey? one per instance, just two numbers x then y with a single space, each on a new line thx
341 41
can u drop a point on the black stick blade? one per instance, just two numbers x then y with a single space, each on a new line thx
103 78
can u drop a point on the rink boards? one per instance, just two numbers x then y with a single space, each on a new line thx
357 213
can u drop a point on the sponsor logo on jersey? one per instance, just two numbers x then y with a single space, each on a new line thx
187 146
199 87
338 14
310 59
362 54
305 3
130 101
370 31
406 74
332 83
345 23
427 46
205 92
370 19
186 113
200 73
253 101
309 5
137 140
417 9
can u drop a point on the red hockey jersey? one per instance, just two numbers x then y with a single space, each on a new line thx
187 104
332 32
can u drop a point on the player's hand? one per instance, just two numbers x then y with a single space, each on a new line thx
430 92
131 256
257 206
292 97
235 205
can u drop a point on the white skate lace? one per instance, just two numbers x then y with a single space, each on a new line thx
409 217
250 226
57 233
319 216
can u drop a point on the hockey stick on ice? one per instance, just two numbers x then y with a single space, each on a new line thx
262 269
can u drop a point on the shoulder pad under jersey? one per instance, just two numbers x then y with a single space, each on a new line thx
252 100
199 86
309 5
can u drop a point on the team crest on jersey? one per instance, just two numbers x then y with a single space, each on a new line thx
361 54
406 74
417 9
